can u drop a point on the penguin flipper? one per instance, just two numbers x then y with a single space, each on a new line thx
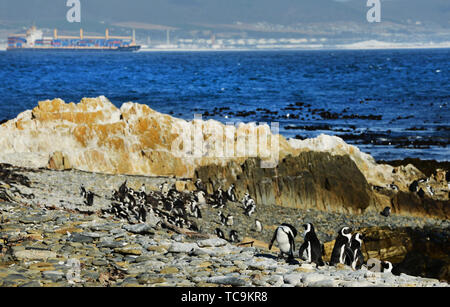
273 239
302 250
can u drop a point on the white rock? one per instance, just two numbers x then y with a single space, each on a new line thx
34 254
214 242
293 278
178 247
314 277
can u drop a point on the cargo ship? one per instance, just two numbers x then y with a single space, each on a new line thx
34 40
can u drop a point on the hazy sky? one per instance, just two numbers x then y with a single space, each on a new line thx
189 12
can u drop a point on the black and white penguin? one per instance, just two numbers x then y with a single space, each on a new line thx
393 186
89 199
259 227
341 246
250 209
164 188
355 246
414 186
123 189
200 198
83 191
284 235
234 236
230 220
386 267
311 246
245 199
386 211
197 212
219 233
424 180
199 185
231 193
430 190
222 217
142 214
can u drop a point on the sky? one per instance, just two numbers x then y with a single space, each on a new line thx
188 12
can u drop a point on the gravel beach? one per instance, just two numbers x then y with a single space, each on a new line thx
50 238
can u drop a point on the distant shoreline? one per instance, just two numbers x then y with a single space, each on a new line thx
350 47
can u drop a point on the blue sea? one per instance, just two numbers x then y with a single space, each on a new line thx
392 104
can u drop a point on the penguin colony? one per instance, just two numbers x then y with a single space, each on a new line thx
181 209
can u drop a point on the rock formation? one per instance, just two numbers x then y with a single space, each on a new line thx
309 180
96 136
324 172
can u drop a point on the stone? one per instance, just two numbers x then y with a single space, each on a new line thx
169 270
178 247
227 280
132 249
293 278
54 275
143 228
215 242
313 278
34 254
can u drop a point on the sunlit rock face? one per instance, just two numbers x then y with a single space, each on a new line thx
376 174
96 136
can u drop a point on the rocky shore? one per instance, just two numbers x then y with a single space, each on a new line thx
49 236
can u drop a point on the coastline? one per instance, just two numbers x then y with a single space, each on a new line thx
322 180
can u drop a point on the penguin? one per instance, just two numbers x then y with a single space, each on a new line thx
386 267
231 195
234 236
250 209
341 246
200 186
164 188
424 180
223 218
200 198
284 235
245 199
430 190
312 246
229 220
259 227
83 191
414 186
355 247
219 233
386 211
197 212
89 200
392 186
142 215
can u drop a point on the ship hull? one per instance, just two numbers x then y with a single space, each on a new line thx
119 49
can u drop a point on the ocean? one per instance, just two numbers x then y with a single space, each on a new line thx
392 104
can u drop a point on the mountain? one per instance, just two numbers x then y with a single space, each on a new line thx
403 19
